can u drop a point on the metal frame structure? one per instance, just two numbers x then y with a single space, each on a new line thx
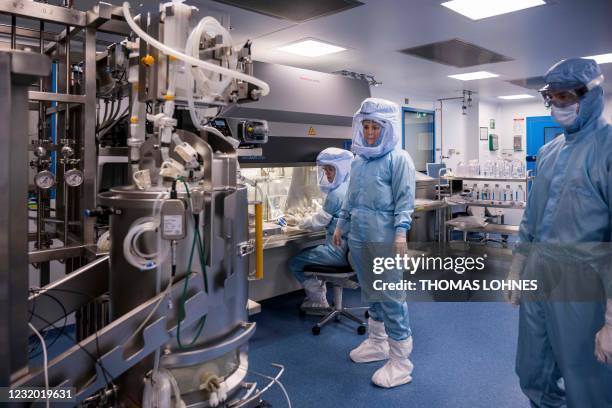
17 71
76 112
108 361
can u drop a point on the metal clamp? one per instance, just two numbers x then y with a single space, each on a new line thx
246 248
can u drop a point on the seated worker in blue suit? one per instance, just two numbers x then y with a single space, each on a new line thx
334 166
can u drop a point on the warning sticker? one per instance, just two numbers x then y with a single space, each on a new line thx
173 225
312 131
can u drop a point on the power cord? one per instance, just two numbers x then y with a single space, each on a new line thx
46 362
108 378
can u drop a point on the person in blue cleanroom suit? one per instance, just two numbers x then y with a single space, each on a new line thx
333 166
377 211
565 347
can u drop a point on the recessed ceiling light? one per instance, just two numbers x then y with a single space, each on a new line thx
470 76
311 48
512 97
602 58
479 9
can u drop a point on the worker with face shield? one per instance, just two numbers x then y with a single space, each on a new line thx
564 351
333 167
377 213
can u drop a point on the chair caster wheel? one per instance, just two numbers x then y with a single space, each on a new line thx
316 330
361 330
367 314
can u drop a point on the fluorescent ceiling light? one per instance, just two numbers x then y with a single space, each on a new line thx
311 48
512 97
470 76
602 58
479 9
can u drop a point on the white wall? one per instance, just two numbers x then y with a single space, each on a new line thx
397 96
504 114
456 132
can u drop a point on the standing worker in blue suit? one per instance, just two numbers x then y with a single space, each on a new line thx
333 166
378 207
565 347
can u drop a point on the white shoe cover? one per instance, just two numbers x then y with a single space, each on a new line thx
375 347
398 369
316 294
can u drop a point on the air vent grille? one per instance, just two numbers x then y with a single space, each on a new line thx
457 53
297 11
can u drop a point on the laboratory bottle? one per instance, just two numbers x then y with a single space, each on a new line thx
496 193
519 194
521 169
508 193
485 193
487 169
475 192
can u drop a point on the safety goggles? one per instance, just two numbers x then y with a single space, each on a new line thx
562 99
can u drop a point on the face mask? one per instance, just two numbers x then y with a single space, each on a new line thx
567 116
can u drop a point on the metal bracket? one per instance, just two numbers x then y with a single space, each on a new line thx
246 248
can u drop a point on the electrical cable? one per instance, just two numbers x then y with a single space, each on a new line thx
273 380
196 240
46 362
105 129
95 359
91 299
65 316
181 313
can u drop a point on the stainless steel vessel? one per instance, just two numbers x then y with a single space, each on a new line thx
219 352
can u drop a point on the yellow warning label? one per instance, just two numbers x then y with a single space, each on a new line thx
312 131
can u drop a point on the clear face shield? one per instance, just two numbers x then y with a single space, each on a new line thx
372 133
327 176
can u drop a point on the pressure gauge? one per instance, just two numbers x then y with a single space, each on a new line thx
74 177
44 180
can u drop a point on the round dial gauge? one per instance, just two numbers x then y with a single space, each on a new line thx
44 180
74 177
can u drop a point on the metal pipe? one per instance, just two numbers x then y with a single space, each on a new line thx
40 205
259 270
41 106
67 132
65 197
13 31
67 135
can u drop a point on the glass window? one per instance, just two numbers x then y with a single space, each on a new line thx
419 138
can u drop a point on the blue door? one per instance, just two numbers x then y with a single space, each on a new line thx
540 130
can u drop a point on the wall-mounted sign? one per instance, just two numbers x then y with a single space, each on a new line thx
484 134
493 142
518 143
